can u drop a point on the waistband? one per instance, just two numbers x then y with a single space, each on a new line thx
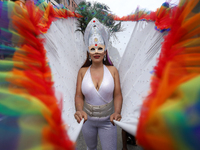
99 111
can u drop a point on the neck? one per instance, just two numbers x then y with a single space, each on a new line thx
97 65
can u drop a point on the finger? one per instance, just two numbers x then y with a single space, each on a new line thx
77 118
112 121
85 117
111 118
118 119
118 116
115 117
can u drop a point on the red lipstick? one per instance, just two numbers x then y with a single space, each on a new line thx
96 57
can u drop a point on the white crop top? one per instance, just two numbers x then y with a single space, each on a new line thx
105 93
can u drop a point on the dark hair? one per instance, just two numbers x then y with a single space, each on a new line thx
108 62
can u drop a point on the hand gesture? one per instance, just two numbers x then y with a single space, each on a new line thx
115 116
79 115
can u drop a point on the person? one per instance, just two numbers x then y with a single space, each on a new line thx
98 91
127 139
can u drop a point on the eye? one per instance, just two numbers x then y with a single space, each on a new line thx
92 49
100 48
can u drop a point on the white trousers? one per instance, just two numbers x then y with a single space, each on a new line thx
106 131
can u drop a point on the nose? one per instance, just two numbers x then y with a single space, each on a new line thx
96 50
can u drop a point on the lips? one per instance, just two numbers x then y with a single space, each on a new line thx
96 57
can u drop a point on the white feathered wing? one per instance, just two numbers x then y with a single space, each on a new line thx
134 54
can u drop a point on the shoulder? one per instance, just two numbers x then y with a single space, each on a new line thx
82 71
112 69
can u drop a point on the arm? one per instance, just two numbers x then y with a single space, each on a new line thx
117 98
79 102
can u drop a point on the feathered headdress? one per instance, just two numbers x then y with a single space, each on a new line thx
98 11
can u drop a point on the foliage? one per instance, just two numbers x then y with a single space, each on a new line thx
99 11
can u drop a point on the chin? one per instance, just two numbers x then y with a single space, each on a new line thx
97 60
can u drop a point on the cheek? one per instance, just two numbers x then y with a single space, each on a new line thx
102 54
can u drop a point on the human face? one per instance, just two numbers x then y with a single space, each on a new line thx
97 53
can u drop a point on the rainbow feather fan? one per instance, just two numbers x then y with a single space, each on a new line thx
170 116
30 117
160 17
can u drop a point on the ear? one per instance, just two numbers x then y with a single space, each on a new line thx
105 52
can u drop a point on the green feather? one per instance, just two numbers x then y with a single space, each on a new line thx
99 11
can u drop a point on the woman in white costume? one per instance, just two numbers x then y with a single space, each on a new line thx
98 97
